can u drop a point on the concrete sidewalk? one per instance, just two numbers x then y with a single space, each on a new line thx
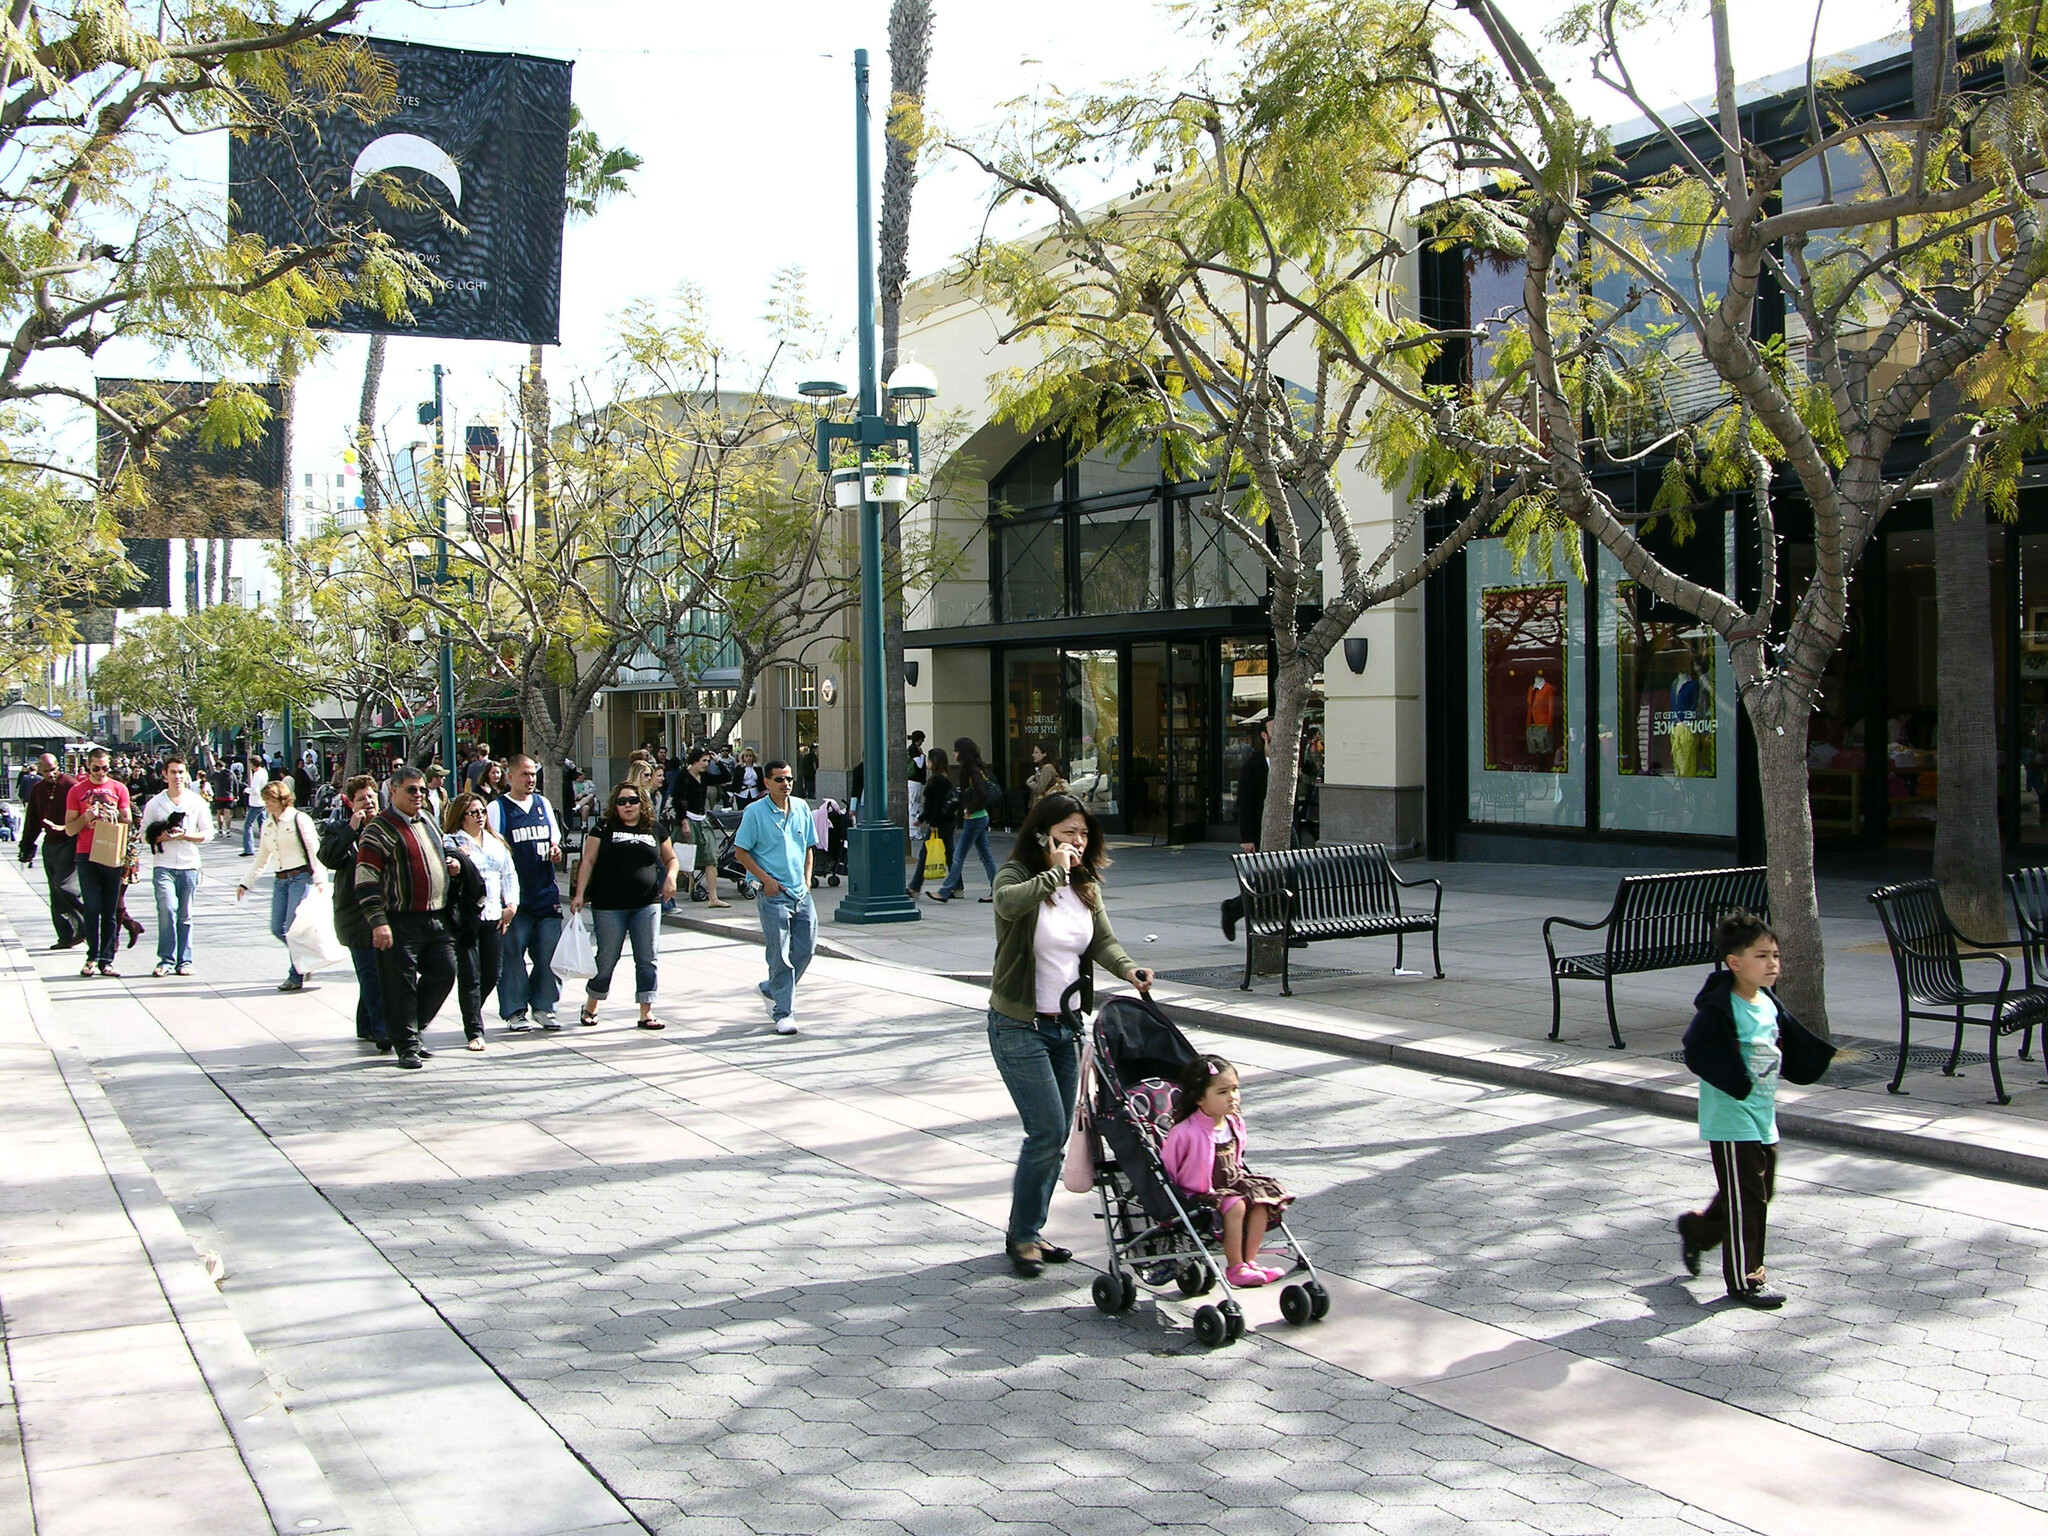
1489 1018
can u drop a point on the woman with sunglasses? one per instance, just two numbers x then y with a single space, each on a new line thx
628 870
479 946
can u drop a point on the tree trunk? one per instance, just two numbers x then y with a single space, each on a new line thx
206 584
533 411
352 750
1968 853
910 51
191 575
1788 842
227 565
366 431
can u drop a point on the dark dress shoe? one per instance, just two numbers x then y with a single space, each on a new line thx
411 1061
1762 1297
383 1047
1025 1259
289 985
1053 1253
1688 1254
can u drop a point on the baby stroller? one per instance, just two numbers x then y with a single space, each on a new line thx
729 865
1157 1237
833 824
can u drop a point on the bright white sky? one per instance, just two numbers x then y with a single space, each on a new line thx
744 115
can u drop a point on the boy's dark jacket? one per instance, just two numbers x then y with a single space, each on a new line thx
1713 1050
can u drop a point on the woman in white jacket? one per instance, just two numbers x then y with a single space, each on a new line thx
476 965
289 844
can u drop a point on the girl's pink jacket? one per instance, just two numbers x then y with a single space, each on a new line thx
1189 1152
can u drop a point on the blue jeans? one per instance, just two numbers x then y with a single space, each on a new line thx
612 928
285 897
100 885
789 924
174 890
1041 1066
252 828
521 987
973 834
369 993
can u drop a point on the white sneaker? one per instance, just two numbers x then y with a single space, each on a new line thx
518 1024
786 1025
547 1021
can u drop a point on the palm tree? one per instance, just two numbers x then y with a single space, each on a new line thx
597 174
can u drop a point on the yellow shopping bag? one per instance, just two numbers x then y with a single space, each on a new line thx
934 858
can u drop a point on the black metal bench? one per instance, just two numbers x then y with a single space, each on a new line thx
1338 891
1657 923
1928 955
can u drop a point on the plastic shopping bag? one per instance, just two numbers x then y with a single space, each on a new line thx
935 857
576 950
311 939
686 856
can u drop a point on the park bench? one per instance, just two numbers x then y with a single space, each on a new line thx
1334 891
1928 955
1657 923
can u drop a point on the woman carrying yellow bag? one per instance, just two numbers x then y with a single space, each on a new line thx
941 818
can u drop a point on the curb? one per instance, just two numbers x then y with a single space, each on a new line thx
288 1479
1948 1138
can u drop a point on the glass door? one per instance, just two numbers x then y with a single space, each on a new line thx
1190 790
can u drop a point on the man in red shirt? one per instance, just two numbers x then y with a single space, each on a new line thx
60 853
92 805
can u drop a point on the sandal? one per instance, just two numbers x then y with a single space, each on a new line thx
652 1023
91 968
588 1016
475 1043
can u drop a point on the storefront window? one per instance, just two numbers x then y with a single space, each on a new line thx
1212 566
1667 724
1037 477
1092 740
1246 695
1526 679
1104 473
1118 554
1034 569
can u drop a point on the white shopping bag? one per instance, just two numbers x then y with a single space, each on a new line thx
576 950
311 939
686 856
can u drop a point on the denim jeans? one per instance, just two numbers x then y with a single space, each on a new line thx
1041 1066
369 993
174 890
252 828
973 834
643 923
100 885
789 925
285 896
521 986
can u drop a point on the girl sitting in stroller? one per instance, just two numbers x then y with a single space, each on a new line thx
1204 1156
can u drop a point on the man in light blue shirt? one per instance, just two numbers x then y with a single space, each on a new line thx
775 843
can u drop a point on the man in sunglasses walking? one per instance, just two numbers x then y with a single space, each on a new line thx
775 844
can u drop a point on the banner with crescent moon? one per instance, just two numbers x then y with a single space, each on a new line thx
482 138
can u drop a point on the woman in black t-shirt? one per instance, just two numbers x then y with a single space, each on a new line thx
628 870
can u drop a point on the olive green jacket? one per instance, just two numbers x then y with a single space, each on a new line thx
1019 895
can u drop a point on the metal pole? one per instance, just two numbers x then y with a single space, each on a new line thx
447 708
875 881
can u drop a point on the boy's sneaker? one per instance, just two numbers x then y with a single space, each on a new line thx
519 1024
1688 1255
1759 1295
547 1022
786 1025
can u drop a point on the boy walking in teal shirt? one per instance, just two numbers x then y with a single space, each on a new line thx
1740 1043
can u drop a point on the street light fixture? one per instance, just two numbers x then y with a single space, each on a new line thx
885 456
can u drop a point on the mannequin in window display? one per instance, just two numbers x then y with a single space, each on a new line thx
1685 741
1540 722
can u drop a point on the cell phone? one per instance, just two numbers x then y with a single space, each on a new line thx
1045 840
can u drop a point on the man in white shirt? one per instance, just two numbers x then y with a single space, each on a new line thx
252 824
187 824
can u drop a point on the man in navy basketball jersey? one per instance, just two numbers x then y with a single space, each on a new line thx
526 980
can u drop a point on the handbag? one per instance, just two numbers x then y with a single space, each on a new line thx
935 857
311 939
576 950
1078 1176
110 844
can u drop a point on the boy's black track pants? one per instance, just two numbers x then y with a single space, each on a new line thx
1746 1176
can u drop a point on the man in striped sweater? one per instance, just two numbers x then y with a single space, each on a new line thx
402 876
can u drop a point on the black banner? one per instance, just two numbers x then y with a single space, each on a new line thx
485 137
152 557
194 492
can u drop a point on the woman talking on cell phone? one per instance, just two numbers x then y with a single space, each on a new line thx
1052 929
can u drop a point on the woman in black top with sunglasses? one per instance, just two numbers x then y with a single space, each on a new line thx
629 869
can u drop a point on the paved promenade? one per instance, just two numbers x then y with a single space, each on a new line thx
712 1281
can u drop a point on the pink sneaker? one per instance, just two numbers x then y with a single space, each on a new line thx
1273 1274
1245 1276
